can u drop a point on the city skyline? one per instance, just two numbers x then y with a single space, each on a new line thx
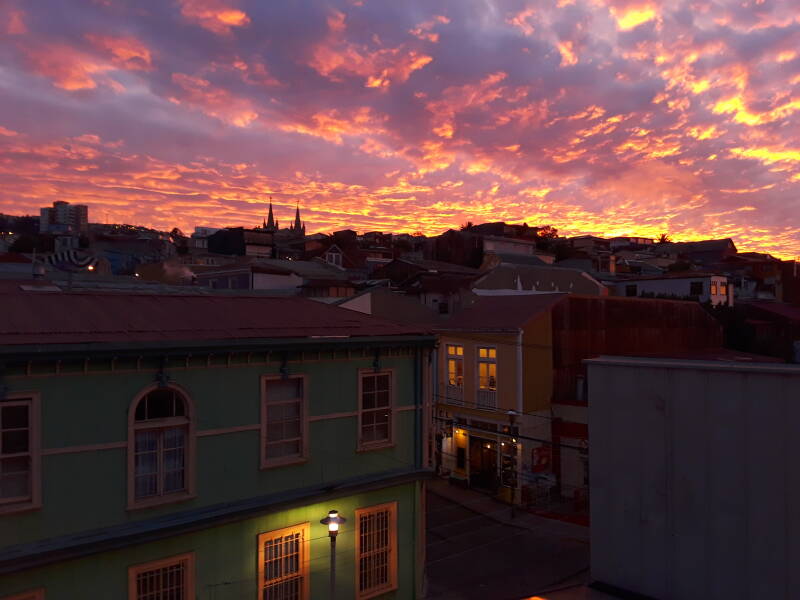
611 118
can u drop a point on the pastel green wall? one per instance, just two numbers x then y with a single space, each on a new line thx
226 556
88 490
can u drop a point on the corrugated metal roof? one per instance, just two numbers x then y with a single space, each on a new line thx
494 313
47 317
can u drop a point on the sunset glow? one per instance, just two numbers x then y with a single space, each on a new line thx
609 117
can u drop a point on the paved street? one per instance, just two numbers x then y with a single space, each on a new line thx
475 549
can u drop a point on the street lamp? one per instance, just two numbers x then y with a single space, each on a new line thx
333 520
512 419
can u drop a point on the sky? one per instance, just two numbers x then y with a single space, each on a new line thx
606 117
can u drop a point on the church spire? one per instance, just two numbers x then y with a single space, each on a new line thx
270 219
298 226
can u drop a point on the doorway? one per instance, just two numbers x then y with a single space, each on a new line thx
483 464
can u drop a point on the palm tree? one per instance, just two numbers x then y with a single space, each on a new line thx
664 239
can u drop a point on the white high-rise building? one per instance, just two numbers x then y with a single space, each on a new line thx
64 217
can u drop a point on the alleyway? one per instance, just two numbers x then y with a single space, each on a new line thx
472 541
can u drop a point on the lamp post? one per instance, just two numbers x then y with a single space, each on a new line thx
512 418
333 520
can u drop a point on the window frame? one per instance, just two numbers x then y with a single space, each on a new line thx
365 447
33 400
455 357
305 544
157 424
393 561
264 462
135 570
488 360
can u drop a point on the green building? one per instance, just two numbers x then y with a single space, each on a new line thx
173 447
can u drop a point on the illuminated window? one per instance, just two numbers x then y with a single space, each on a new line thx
283 421
713 288
283 564
160 443
168 579
375 410
455 365
723 288
487 368
376 550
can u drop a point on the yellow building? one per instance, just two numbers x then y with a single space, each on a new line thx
493 392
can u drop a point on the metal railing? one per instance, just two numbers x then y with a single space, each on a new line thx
487 399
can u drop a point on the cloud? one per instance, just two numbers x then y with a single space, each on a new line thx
595 116
216 16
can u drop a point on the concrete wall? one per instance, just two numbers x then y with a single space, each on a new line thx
695 490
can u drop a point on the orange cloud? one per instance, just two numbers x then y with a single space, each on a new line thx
68 68
630 17
214 101
125 52
214 15
379 67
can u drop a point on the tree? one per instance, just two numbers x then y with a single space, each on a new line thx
664 239
547 232
466 226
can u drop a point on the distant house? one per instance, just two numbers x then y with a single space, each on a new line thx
186 446
703 252
703 287
239 241
310 278
508 277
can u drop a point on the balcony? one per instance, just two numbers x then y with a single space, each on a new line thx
487 399
454 394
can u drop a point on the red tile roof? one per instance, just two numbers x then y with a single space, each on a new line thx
59 317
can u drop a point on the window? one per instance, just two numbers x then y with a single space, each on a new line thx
283 421
487 368
160 446
631 290
333 256
168 579
283 564
713 288
376 550
19 456
375 410
723 288
696 288
455 365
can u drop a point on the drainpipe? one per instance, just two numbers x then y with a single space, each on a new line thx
519 372
418 409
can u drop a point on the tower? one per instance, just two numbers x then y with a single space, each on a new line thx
270 225
298 228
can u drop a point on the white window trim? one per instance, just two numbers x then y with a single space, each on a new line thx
305 556
292 460
457 357
478 361
361 446
134 570
35 500
189 451
393 558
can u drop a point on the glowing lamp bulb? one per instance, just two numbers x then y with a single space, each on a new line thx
91 267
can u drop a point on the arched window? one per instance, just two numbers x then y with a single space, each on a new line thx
160 447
